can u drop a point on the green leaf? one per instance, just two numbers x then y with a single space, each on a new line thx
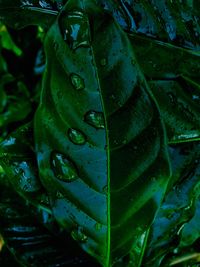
7 41
168 21
33 237
21 13
100 141
176 226
172 74
14 104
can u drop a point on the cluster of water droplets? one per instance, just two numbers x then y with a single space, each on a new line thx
76 33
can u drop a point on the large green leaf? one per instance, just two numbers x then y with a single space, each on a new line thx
100 142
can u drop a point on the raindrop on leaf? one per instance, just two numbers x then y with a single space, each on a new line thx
63 168
77 82
77 137
95 119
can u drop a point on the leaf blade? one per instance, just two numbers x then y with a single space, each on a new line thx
51 128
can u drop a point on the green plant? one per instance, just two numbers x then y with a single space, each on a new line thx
106 150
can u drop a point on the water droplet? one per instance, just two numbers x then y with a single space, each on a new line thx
79 235
63 168
98 226
77 82
59 195
75 29
77 137
103 62
95 119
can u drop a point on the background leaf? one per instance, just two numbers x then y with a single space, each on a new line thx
171 232
24 13
172 74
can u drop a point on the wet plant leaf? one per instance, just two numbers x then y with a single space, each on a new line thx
101 92
120 92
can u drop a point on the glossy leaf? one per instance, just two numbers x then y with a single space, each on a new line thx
174 22
118 177
177 224
26 13
172 74
32 236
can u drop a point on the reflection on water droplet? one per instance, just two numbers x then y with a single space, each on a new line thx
103 62
77 137
63 168
75 29
95 119
77 82
79 235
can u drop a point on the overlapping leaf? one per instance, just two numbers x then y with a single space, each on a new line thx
24 13
175 22
171 230
172 73
30 243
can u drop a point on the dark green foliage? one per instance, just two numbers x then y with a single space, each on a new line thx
109 160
